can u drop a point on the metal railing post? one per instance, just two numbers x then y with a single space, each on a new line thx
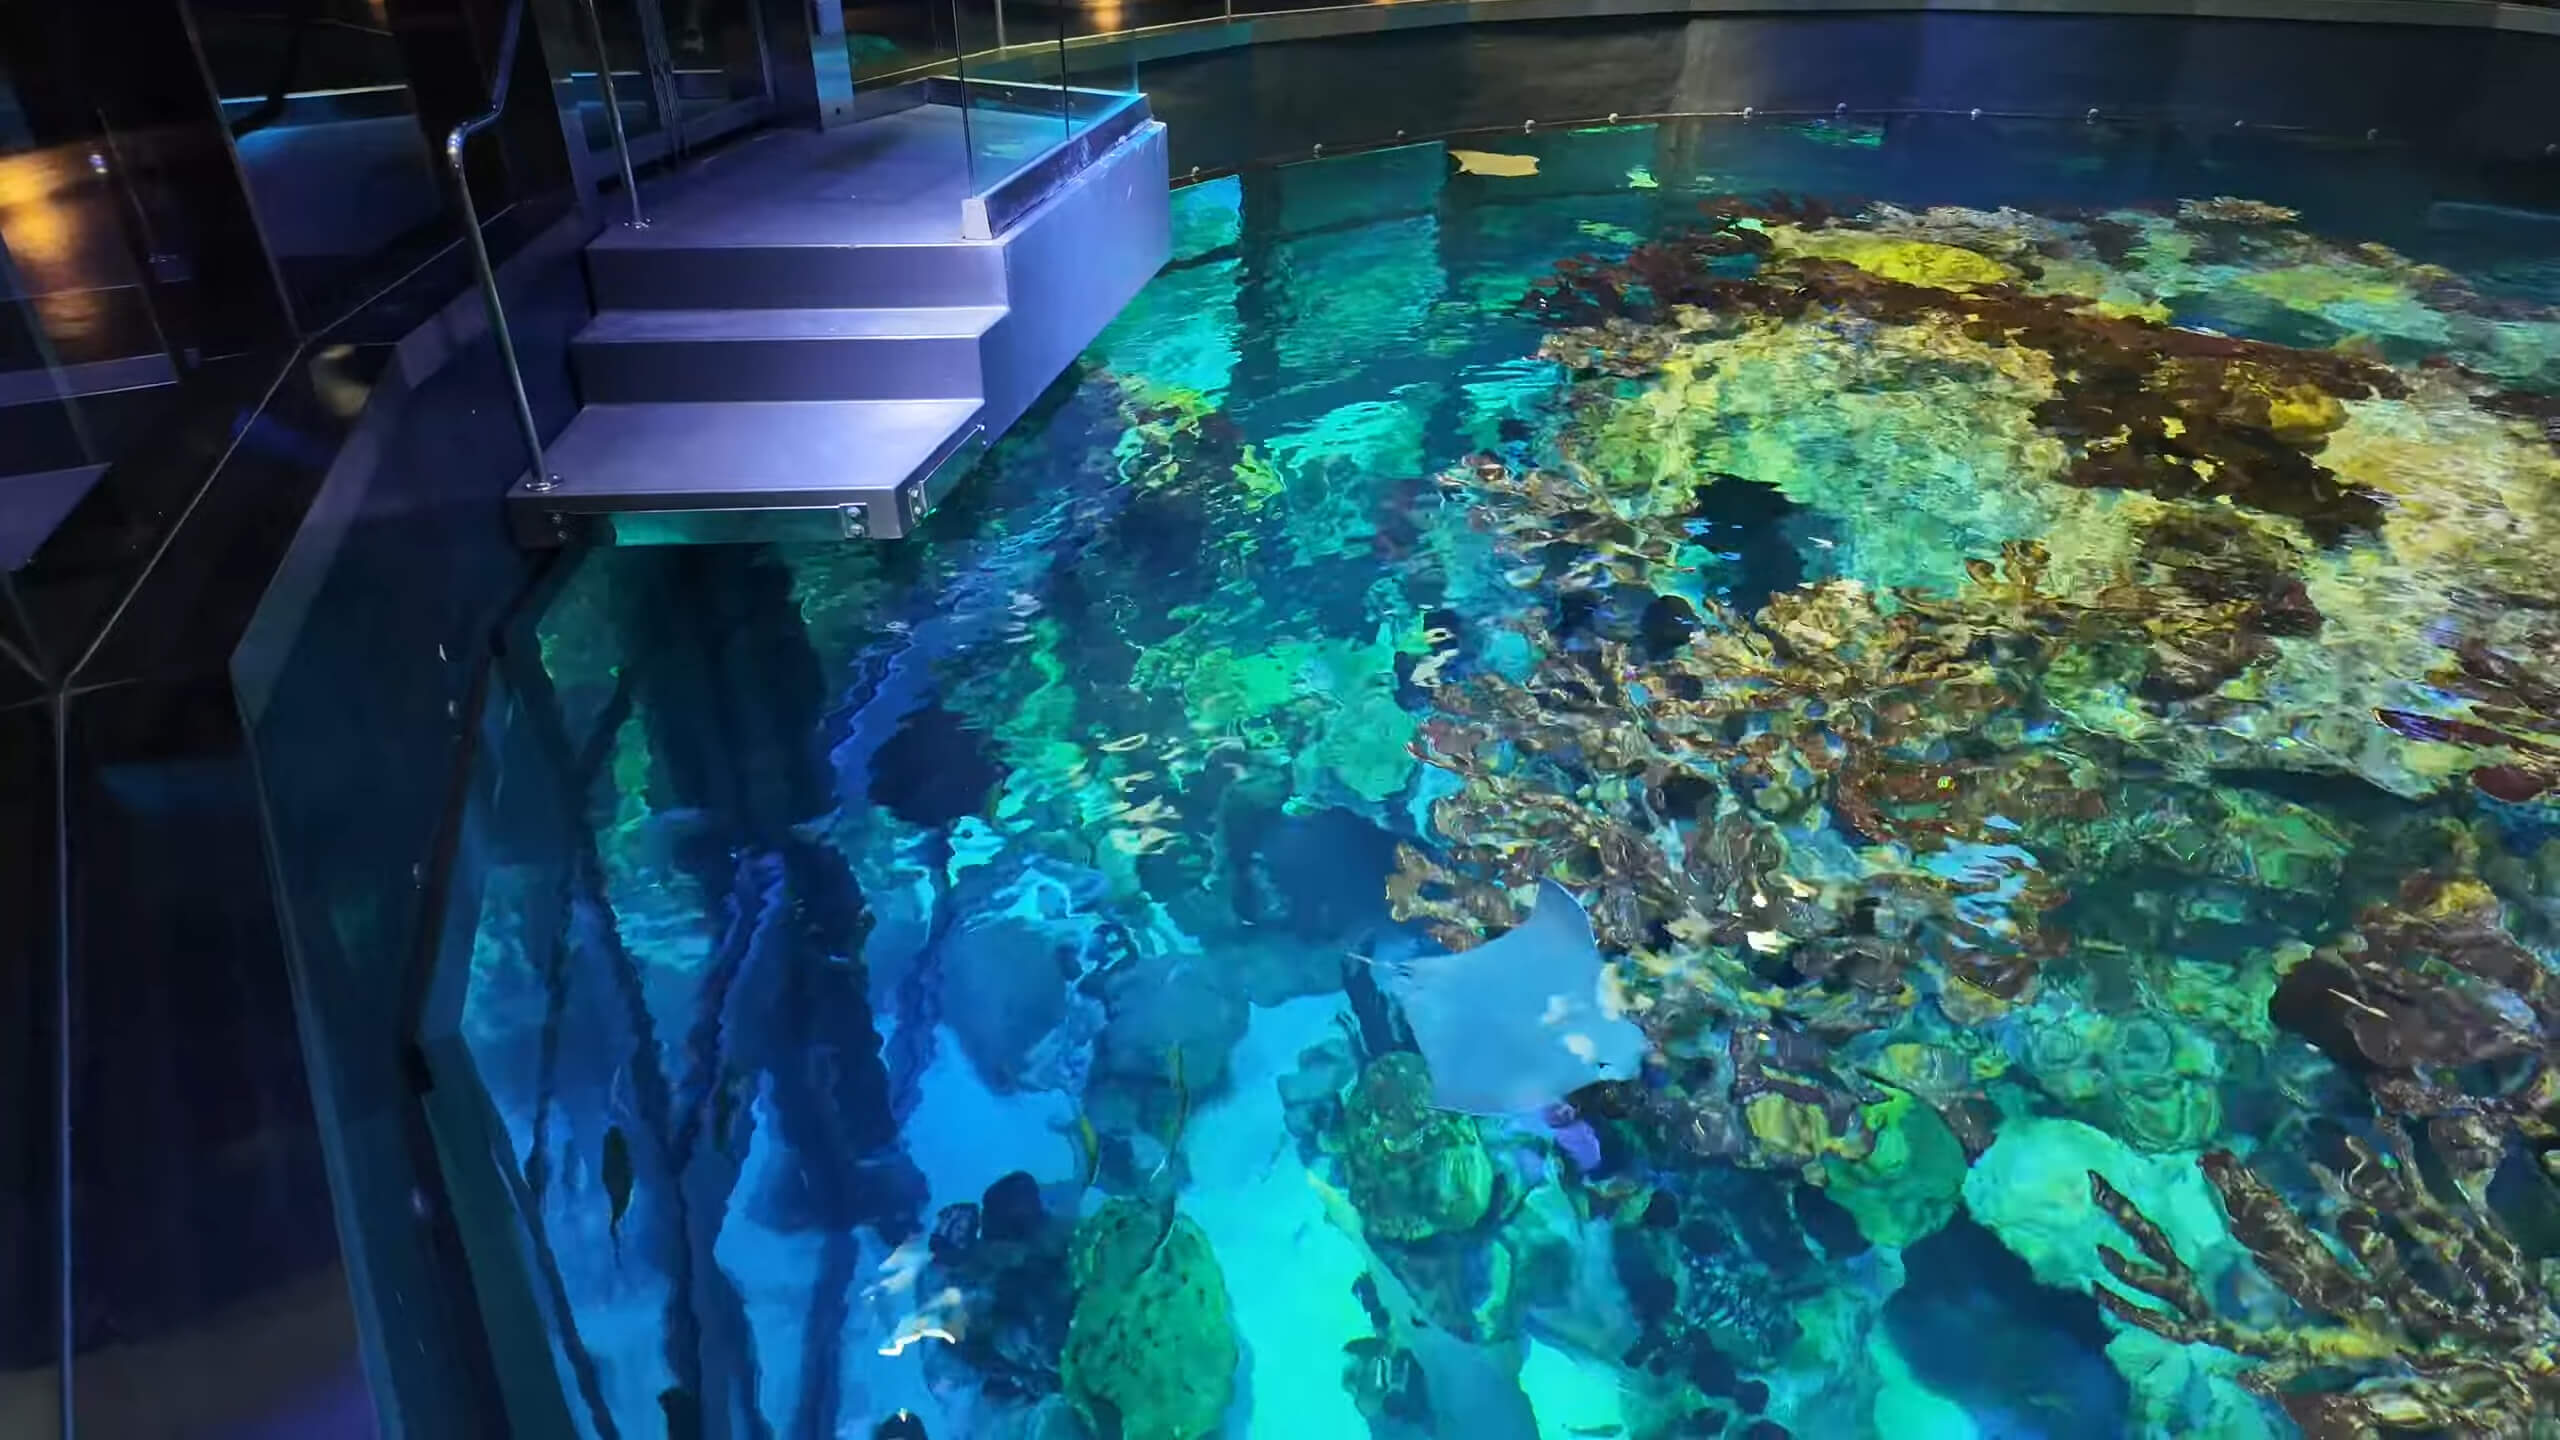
613 115
456 142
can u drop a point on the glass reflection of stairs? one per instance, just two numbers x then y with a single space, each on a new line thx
805 343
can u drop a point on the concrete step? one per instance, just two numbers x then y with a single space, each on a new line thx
637 270
749 470
924 353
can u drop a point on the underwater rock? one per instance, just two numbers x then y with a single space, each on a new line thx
1311 1094
1150 1353
999 1268
2190 1389
934 769
2233 210
1172 1022
2031 1188
2025 1359
1910 1183
1413 1169
1005 987
1316 875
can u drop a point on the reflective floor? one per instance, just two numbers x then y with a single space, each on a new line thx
1729 779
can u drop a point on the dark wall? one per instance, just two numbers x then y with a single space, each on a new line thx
2477 91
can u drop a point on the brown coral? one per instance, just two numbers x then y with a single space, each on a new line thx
2445 1014
2430 1318
2149 406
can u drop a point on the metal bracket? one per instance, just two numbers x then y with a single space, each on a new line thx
888 513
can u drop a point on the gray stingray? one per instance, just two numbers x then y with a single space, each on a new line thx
1521 1021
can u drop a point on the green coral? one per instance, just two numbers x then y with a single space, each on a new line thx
1413 1171
1151 1352
1910 1183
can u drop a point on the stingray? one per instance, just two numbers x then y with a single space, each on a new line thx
1516 1024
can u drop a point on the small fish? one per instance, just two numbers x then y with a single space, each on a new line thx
1124 743
899 1272
1089 1146
943 1318
617 1183
1181 1108
1641 178
1486 162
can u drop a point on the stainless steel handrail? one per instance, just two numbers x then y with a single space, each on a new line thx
613 116
455 143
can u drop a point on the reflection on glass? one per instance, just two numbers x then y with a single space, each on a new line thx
627 56
85 367
894 37
327 132
712 53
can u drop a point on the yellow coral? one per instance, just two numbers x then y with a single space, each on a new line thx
1913 262
2316 287
1793 1131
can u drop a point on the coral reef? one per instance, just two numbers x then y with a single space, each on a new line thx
1413 1170
1149 1352
2429 1318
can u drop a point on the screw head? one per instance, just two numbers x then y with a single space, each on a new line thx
2092 117
1528 125
1318 149
2239 124
1749 110
1840 109
1974 114
1613 117
542 482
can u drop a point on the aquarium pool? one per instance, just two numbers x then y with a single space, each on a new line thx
1725 778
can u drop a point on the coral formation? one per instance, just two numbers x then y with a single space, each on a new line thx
1149 1352
1414 1170
2429 1318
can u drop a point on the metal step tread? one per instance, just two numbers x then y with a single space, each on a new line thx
937 322
745 453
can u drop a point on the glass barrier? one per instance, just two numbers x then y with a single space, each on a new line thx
347 182
1015 89
569 45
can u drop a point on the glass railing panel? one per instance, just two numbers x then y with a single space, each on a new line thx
635 92
1011 71
888 39
346 178
715 57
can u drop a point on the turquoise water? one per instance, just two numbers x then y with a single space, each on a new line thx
1722 779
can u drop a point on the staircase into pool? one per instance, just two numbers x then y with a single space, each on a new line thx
818 331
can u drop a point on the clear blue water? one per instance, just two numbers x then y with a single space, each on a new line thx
2029 660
